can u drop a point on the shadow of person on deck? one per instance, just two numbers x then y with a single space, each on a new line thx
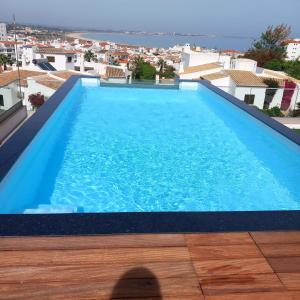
137 283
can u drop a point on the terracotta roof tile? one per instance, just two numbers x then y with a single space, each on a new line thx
112 72
200 68
245 78
49 82
52 50
64 74
9 77
213 76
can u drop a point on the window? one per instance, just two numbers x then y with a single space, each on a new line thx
69 59
249 99
51 59
1 100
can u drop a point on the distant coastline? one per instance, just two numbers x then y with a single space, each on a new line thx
78 35
166 40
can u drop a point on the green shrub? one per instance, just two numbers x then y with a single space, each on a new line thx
273 112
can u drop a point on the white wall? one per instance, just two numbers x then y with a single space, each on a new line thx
259 93
193 58
244 64
60 63
224 84
34 88
9 94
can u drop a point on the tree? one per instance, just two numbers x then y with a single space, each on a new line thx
148 71
36 100
162 64
270 46
169 72
89 56
142 70
4 61
274 64
136 67
292 68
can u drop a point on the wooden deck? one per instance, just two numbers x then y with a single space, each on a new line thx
229 266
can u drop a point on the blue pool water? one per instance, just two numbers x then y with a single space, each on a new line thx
110 149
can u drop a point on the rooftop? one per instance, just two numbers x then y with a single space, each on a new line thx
200 68
64 74
213 76
245 78
52 50
9 77
112 72
49 82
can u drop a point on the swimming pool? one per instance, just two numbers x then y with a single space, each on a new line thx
147 150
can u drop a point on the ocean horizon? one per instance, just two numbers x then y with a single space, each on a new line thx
166 41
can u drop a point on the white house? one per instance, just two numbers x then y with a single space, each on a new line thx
9 87
60 59
292 48
8 48
190 58
3 31
251 88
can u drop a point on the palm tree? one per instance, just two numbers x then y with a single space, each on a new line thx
4 61
162 65
136 67
89 55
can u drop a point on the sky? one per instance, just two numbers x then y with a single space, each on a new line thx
220 17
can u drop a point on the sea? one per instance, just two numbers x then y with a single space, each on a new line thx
166 41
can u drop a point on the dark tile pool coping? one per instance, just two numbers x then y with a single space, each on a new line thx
146 222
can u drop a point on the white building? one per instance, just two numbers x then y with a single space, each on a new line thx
251 88
9 87
292 49
8 48
59 58
190 58
243 64
3 32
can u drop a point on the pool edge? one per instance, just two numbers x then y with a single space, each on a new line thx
151 222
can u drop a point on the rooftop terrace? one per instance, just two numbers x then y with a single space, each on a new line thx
221 266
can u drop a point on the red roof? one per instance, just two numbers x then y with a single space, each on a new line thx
291 42
10 43
231 51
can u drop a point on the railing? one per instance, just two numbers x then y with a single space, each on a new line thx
161 83
265 97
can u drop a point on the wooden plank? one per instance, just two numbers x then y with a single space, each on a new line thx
280 237
240 284
294 295
224 252
253 296
131 288
285 264
280 250
92 242
290 280
93 256
232 267
77 273
207 239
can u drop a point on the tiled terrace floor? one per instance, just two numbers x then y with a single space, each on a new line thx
230 266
